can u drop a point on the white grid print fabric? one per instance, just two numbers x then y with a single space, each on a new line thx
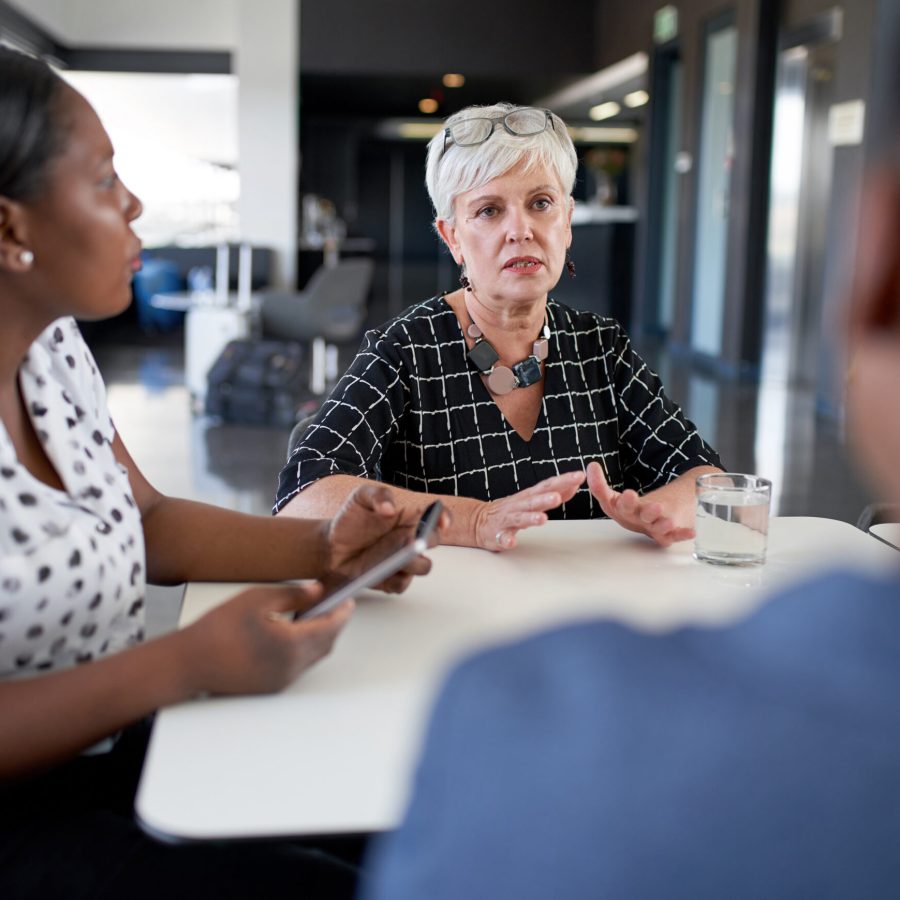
412 412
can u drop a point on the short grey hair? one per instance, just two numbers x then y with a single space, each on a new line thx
461 169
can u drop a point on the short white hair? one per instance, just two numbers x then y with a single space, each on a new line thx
461 169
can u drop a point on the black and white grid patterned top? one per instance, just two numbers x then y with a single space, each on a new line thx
412 412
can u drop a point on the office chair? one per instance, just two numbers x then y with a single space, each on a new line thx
330 311
878 514
297 434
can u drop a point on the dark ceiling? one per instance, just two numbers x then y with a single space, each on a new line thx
366 59
382 96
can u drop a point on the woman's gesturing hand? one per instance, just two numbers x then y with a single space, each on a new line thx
645 515
368 527
497 522
245 646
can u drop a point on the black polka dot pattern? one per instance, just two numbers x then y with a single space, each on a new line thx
72 575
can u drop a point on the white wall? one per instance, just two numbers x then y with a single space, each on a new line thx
176 143
49 14
138 24
267 66
263 36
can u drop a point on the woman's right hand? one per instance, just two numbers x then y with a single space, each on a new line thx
498 522
246 645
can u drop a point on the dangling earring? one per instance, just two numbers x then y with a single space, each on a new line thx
26 257
570 266
464 279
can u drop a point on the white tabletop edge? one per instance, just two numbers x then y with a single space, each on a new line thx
289 764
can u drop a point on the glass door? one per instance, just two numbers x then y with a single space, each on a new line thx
799 200
662 208
799 196
714 187
668 248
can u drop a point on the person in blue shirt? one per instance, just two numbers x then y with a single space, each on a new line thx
762 760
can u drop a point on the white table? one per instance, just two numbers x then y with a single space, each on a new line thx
889 532
335 752
177 301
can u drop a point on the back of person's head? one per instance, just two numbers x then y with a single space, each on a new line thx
32 132
452 169
873 401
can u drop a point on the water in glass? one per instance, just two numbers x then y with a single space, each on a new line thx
732 525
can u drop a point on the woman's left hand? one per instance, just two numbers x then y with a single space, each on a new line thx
368 527
664 520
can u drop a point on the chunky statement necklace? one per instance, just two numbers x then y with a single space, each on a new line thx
503 379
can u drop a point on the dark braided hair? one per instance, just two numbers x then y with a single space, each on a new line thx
32 132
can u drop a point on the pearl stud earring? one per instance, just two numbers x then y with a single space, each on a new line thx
26 257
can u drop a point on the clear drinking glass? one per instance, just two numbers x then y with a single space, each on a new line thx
732 524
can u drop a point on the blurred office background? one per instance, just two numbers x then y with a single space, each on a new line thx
721 147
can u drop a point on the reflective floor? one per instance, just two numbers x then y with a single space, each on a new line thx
773 433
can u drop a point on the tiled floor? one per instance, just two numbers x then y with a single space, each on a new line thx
776 434
181 453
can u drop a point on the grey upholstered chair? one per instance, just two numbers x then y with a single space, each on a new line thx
297 434
333 305
878 514
330 311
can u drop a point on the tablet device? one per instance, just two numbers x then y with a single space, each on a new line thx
381 570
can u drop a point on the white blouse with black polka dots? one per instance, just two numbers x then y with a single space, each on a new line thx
72 576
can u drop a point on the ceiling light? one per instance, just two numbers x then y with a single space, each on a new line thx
408 129
604 111
415 131
603 135
599 84
454 80
636 99
428 105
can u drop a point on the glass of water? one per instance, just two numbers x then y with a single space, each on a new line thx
732 524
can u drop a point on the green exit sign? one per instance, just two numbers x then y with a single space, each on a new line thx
665 24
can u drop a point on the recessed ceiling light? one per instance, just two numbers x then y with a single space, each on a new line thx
413 131
603 134
604 111
454 80
636 98
428 105
409 129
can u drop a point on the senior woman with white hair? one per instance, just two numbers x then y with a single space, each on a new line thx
508 406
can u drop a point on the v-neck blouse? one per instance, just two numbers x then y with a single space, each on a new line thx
72 577
412 412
